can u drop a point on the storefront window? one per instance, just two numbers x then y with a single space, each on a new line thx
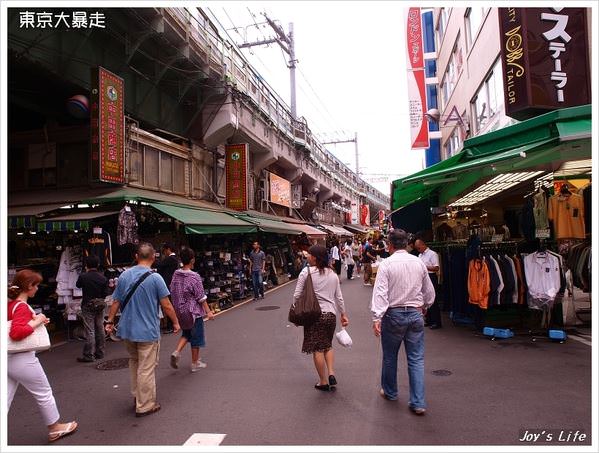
474 19
488 100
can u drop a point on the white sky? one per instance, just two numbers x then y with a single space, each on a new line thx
352 56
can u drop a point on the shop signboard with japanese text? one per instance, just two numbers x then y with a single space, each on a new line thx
365 215
107 127
237 171
545 59
355 213
416 79
280 190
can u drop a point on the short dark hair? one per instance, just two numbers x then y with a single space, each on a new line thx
168 245
399 239
92 262
186 254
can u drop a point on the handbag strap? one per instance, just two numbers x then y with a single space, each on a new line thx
19 303
133 288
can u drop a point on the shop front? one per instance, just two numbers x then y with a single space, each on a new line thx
513 203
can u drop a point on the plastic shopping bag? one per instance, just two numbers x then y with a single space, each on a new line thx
344 339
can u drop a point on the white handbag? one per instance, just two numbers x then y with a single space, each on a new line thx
39 340
344 339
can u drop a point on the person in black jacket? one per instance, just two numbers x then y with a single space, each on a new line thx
166 268
94 286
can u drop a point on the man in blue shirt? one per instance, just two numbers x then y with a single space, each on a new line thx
139 325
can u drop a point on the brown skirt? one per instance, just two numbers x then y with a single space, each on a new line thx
318 337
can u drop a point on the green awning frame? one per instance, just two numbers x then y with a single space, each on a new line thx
271 226
204 221
544 140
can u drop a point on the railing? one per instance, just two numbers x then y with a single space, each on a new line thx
227 61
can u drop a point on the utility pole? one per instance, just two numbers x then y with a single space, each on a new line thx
349 140
286 42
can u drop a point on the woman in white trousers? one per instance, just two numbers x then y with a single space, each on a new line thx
24 367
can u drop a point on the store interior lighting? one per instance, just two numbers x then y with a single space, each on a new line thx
575 167
496 185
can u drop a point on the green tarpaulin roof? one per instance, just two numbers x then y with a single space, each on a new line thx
539 138
203 221
272 226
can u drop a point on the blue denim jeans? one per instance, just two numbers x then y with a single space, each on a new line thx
258 285
398 325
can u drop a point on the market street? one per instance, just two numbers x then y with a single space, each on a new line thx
258 388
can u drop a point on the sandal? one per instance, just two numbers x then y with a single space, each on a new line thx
55 435
156 408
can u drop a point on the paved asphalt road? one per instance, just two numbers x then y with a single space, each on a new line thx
258 388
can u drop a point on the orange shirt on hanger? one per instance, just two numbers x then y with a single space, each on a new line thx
567 214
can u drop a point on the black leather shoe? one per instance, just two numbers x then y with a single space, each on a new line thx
324 387
332 380
85 359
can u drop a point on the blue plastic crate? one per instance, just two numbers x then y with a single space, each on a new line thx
489 331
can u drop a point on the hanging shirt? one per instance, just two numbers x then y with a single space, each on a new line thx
479 283
493 262
540 210
127 227
567 214
543 279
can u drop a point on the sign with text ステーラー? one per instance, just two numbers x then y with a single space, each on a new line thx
545 59
107 127
237 169
416 79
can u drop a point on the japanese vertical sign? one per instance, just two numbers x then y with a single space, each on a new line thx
237 170
355 213
365 215
416 79
545 59
107 127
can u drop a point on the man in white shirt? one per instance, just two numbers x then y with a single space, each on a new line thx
431 261
402 293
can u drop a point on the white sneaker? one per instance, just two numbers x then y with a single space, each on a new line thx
175 356
195 366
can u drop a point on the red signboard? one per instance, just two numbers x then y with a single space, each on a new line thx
237 169
365 215
107 116
545 59
416 80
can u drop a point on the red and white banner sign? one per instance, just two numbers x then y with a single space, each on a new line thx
355 213
365 215
416 82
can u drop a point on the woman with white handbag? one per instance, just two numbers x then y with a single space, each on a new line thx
24 367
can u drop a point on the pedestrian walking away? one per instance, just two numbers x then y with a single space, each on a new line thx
167 266
318 337
402 293
368 257
190 304
24 368
349 259
94 286
430 259
336 256
139 293
356 252
258 268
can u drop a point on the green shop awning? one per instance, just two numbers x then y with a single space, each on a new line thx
78 221
273 226
203 221
543 142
